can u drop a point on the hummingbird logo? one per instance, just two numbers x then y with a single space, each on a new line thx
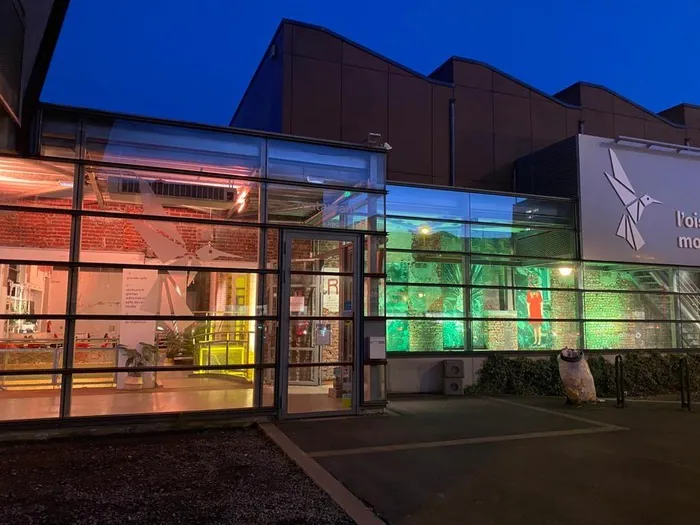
634 206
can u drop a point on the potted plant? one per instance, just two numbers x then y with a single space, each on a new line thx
145 355
178 347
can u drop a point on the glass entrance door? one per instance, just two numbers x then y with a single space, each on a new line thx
319 323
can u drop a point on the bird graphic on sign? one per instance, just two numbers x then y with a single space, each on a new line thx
634 206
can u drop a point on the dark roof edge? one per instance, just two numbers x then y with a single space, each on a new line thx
629 101
255 74
513 79
101 113
343 39
366 50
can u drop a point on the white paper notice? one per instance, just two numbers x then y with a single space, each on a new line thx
136 285
296 304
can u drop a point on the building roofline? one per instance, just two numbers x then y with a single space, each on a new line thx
429 78
629 101
510 77
99 113
289 21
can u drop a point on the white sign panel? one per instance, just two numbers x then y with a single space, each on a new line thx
638 204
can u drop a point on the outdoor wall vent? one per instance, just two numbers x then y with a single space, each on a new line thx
126 189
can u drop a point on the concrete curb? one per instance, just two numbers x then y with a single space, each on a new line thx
352 506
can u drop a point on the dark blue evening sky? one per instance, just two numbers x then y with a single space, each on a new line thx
192 59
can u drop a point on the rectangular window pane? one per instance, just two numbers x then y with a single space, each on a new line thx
321 295
408 234
320 341
688 281
134 241
525 273
34 236
33 289
325 165
520 210
375 253
637 306
177 391
325 208
321 389
423 335
26 182
522 241
424 267
145 144
374 295
322 255
409 201
618 277
623 335
106 344
535 334
59 134
170 292
424 301
690 335
171 194
523 303
29 397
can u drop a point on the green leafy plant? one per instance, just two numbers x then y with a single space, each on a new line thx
646 374
146 356
178 344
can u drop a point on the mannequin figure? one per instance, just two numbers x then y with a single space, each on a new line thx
534 308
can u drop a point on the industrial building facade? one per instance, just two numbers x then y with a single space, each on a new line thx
159 267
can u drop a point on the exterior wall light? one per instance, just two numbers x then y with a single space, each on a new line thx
565 270
424 230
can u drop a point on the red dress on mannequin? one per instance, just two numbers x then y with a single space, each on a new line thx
534 305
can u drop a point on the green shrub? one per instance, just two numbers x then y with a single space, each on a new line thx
646 374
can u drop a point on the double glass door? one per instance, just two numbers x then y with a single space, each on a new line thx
320 301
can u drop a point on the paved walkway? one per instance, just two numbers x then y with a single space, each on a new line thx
514 461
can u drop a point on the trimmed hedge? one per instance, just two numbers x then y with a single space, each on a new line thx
646 374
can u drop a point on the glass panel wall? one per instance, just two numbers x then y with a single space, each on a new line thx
139 262
503 270
465 271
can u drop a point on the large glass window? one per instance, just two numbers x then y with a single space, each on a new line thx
145 273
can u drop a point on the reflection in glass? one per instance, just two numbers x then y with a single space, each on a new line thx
523 273
25 182
115 240
178 391
422 267
147 144
522 241
325 165
425 335
374 294
424 301
631 334
170 194
621 305
408 234
322 255
37 236
325 208
134 291
332 391
523 334
321 295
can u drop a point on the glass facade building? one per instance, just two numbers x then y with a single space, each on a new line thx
150 267
153 267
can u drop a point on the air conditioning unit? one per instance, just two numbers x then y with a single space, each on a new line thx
453 386
453 368
126 189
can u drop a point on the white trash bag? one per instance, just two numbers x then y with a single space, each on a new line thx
576 377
